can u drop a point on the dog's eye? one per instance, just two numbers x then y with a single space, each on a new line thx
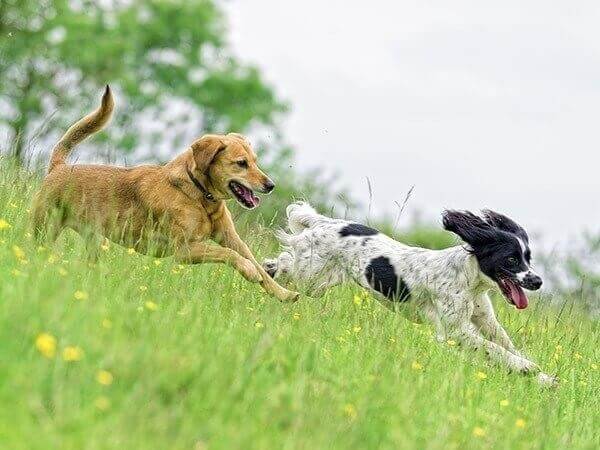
242 163
512 261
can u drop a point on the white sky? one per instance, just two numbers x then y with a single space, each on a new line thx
477 104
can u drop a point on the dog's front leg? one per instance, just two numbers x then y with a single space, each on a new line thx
456 320
227 236
485 320
469 336
201 252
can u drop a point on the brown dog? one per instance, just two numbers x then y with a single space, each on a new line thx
158 210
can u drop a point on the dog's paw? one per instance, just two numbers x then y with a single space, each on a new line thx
289 296
547 380
249 271
270 266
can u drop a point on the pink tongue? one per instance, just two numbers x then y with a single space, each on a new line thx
250 197
517 295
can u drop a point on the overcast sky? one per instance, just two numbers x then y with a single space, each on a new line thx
477 104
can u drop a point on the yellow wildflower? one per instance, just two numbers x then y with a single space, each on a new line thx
46 344
4 225
520 423
478 432
577 356
104 377
71 354
481 375
106 323
105 245
357 329
143 288
504 402
350 411
258 325
102 403
131 251
80 295
18 252
358 300
451 342
296 316
157 262
151 306
416 365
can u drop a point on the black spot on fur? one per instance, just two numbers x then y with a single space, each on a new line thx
356 229
382 277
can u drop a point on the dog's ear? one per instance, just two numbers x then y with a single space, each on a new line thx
204 151
472 229
505 223
241 137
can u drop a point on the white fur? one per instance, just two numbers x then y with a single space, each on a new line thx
446 286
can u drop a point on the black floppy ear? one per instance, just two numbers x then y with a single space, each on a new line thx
472 229
205 149
505 223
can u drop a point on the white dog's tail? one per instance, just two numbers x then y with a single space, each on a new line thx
300 216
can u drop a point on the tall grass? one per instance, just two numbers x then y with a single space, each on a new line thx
149 354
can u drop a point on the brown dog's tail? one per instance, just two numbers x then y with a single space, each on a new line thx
83 128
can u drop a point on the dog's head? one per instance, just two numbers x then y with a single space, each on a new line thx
501 247
228 165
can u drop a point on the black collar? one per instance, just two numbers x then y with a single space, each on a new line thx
207 195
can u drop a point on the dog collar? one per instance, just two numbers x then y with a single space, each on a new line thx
207 195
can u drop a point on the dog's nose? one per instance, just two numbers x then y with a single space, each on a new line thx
532 282
268 186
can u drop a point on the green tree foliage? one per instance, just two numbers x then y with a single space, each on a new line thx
56 54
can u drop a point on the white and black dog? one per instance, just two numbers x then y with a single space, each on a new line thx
449 287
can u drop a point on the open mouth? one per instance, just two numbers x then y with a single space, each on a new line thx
513 293
244 195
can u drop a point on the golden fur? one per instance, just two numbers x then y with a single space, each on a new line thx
158 210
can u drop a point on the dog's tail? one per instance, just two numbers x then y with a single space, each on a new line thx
83 128
300 216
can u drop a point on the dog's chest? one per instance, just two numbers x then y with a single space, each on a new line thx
198 224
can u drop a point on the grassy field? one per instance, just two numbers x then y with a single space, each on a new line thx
136 353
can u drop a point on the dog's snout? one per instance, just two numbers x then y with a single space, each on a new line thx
532 282
268 186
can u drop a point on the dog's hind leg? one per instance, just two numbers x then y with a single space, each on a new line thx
305 271
278 267
47 223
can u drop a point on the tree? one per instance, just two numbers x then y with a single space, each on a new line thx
55 55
